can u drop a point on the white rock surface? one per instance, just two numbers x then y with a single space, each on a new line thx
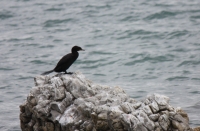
73 103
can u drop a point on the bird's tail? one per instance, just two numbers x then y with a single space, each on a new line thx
47 72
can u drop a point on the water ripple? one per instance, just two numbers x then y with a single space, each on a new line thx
19 39
195 17
156 59
107 6
176 34
52 23
5 15
189 62
178 78
129 18
47 46
102 53
6 69
54 9
38 62
130 33
160 15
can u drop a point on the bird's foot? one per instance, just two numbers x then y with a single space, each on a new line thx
69 73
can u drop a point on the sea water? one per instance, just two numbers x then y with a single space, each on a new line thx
143 46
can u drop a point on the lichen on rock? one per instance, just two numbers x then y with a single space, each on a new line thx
72 103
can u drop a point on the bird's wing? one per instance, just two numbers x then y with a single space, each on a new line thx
65 59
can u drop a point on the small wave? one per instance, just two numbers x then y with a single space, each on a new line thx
141 91
137 55
45 55
99 74
180 50
194 92
57 40
138 32
6 69
130 33
91 45
193 11
19 39
42 4
24 77
160 15
54 9
18 97
62 30
24 45
33 44
102 53
99 6
189 62
47 46
90 67
129 18
38 62
132 75
3 87
89 13
156 59
196 79
149 76
195 17
164 5
5 15
52 23
97 64
178 78
134 62
91 61
186 72
196 44
13 25
196 106
177 34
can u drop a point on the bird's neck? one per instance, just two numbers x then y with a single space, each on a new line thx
74 52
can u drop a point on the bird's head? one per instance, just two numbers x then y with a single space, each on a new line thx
77 48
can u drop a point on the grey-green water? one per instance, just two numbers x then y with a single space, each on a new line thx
142 46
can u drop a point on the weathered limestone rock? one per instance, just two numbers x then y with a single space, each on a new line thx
72 103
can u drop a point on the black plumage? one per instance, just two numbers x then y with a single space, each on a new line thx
66 61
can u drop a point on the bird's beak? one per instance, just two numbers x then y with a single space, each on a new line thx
82 49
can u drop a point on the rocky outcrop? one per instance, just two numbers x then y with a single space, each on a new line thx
73 103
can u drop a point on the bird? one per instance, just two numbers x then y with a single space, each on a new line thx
66 61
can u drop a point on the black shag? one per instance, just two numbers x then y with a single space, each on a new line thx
66 61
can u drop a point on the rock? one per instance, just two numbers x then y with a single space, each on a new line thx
164 122
154 117
197 129
73 103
